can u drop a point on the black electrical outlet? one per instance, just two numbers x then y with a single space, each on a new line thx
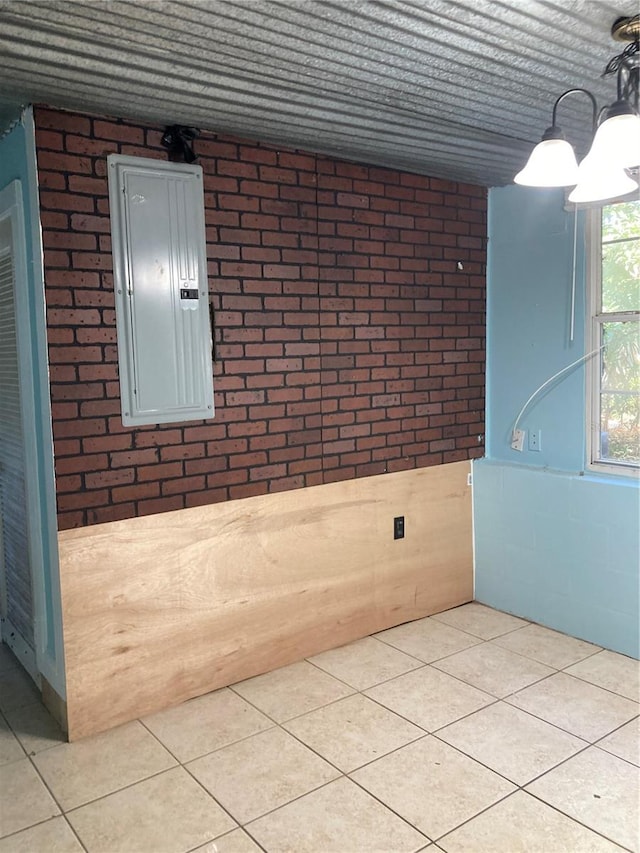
398 527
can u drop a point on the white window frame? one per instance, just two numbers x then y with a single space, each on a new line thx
594 320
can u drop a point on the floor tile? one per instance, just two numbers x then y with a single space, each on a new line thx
35 728
612 671
429 698
169 813
494 670
10 749
432 785
261 773
124 791
522 824
17 688
546 646
599 790
479 620
24 800
87 769
575 706
292 690
236 841
428 639
365 663
52 836
624 742
511 742
206 723
353 731
337 818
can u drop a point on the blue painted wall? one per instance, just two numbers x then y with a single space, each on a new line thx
529 273
553 544
17 162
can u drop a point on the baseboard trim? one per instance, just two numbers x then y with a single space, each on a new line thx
55 704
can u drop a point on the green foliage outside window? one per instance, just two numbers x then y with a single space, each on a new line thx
620 379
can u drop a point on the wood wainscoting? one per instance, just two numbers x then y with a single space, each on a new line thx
163 608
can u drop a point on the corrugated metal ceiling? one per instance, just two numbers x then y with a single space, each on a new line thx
453 89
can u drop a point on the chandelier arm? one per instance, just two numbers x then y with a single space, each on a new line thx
572 92
628 80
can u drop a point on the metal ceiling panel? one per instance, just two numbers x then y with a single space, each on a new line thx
458 90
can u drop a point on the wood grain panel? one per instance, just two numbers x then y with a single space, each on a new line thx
163 608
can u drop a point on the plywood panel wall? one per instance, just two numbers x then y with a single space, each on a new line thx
163 608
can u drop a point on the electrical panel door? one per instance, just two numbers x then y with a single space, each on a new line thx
160 279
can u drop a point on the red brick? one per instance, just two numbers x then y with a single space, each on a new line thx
66 201
249 490
134 457
52 180
84 222
51 139
151 507
87 186
81 500
58 162
115 512
136 492
117 131
100 479
92 147
61 120
390 243
185 485
159 472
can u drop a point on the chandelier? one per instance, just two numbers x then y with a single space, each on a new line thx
606 172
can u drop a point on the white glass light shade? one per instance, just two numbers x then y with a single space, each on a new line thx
598 180
617 141
552 164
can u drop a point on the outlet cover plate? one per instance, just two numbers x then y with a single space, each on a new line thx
398 527
535 439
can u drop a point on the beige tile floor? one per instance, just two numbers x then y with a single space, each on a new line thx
466 732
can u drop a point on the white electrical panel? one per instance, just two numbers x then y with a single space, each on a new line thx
160 280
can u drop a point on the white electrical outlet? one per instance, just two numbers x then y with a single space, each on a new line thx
535 439
517 440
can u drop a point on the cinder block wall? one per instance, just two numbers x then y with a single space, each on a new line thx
349 324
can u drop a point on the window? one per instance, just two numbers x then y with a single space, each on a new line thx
614 372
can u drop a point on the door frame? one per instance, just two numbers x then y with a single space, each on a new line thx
22 200
11 208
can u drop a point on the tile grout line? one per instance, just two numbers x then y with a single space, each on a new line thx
55 800
579 822
587 745
506 699
420 664
331 782
599 686
72 828
346 774
186 761
42 823
367 763
530 714
297 716
219 804
233 743
184 766
426 733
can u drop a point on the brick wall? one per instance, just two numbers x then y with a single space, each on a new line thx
349 324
